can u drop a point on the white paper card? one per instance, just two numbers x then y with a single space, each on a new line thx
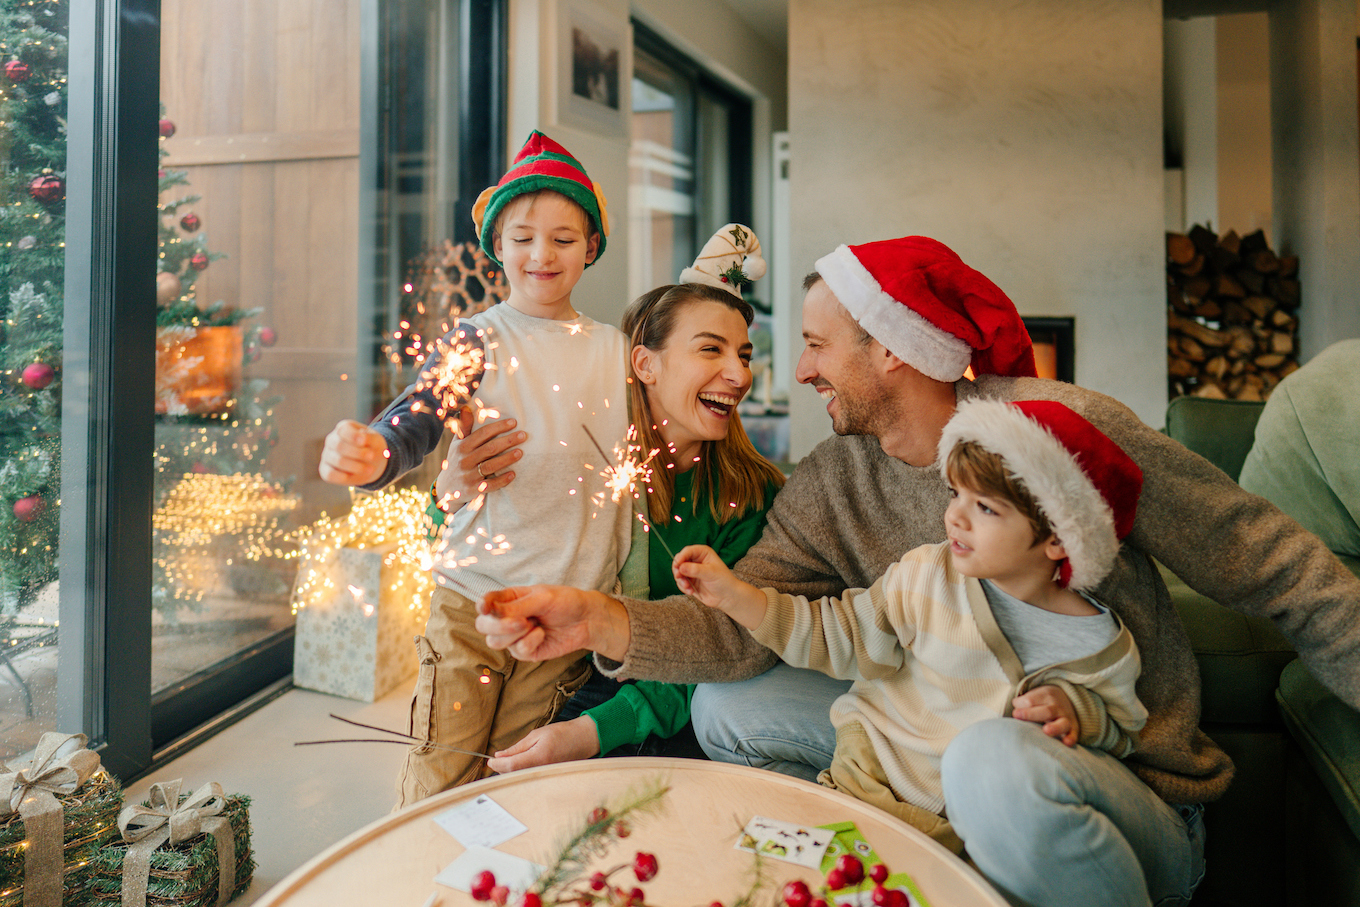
481 821
804 845
515 873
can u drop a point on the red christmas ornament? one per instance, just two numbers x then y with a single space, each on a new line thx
797 894
17 71
190 222
30 508
38 375
268 337
167 128
199 262
851 867
47 188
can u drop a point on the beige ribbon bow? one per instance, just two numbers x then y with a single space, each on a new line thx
60 765
166 819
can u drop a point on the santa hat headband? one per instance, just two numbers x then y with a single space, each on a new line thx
1084 483
541 164
935 313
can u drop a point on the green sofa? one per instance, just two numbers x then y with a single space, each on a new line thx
1288 830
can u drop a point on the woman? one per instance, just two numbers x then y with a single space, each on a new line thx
690 367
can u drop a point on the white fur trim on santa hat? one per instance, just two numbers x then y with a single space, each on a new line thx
1080 515
908 335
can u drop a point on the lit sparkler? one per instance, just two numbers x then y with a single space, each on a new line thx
455 370
625 471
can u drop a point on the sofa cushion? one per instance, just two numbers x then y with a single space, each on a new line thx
1240 658
1220 431
1328 732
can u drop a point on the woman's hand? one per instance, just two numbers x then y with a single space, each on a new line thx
481 460
562 742
537 623
1048 705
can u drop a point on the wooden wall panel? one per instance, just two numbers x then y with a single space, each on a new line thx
265 98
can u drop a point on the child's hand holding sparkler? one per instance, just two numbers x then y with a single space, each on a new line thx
699 572
354 454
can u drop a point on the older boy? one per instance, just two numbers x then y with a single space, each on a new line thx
554 371
997 620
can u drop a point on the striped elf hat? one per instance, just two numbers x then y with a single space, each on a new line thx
541 164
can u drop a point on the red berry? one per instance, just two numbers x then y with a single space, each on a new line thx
878 872
499 895
852 867
481 885
645 866
797 894
637 896
598 815
716 904
531 900
835 879
622 829
898 898
819 902
880 897
598 881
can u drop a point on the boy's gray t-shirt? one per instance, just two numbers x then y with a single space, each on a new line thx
1041 638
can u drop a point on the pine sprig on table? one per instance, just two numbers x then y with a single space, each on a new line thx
594 839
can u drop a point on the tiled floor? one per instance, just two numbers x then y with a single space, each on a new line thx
304 798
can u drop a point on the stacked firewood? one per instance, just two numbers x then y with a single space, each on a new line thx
1232 319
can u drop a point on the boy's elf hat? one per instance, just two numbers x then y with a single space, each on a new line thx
729 260
1083 482
932 311
540 164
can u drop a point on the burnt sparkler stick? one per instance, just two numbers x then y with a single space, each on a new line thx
406 741
616 472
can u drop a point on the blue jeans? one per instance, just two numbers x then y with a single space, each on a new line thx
1052 825
779 720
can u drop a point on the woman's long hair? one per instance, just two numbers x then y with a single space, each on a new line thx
731 475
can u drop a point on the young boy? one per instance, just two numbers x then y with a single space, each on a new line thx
996 621
556 372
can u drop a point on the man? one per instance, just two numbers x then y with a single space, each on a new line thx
889 328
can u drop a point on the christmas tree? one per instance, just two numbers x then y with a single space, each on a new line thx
33 54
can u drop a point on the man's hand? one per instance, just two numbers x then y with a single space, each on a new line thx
354 454
699 572
537 623
562 742
1049 706
482 460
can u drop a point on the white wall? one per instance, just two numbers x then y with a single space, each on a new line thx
710 32
1244 155
1030 142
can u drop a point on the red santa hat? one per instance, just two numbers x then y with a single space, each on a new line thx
1084 483
915 296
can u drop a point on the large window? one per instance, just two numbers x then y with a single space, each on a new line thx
253 188
689 161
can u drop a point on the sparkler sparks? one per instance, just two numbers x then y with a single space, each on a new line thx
625 471
454 371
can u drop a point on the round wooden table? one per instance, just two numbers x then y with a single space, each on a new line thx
394 860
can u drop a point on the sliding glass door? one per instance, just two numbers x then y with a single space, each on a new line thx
211 218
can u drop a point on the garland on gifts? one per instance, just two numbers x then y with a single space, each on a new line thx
36 871
184 874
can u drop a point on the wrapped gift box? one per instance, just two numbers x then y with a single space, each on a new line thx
89 820
184 874
356 640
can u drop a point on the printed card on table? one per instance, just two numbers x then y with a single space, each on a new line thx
481 821
804 845
511 871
